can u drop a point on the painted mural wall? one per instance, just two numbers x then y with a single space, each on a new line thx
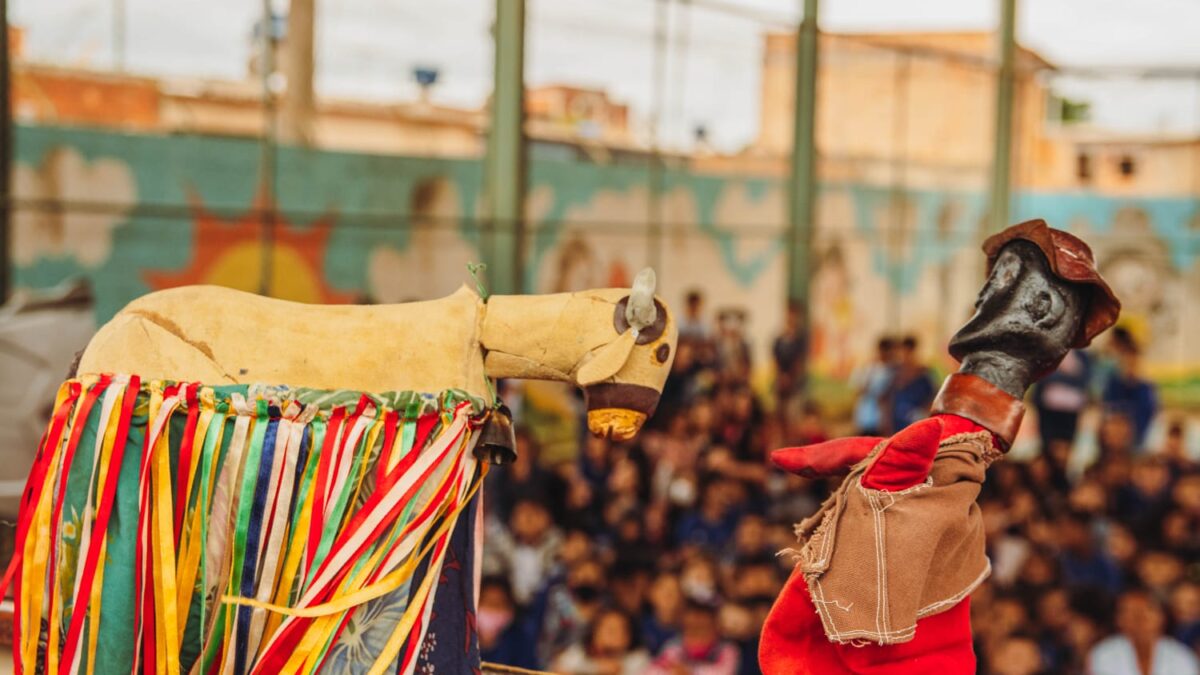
135 213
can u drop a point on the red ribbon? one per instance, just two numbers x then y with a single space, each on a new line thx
100 526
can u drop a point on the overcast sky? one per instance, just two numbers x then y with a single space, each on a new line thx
368 48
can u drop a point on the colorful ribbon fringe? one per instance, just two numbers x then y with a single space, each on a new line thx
177 528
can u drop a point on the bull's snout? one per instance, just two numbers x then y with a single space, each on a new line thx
615 423
618 410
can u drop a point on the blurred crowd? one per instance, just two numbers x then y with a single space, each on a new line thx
659 555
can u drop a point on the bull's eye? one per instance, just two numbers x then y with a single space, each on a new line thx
663 352
649 333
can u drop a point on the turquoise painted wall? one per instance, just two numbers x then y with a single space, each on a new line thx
135 207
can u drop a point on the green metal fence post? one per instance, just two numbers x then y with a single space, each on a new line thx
802 188
1002 153
6 157
502 243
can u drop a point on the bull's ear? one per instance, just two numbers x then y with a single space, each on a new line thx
607 360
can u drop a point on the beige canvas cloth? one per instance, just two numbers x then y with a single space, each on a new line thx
877 561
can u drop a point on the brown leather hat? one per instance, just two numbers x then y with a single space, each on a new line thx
1071 259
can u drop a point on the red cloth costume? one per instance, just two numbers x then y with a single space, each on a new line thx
793 640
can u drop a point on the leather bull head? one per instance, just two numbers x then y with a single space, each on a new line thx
623 379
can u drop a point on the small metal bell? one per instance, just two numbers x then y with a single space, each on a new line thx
497 439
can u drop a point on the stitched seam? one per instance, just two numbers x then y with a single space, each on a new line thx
885 607
817 593
880 580
893 637
957 597
928 482
824 542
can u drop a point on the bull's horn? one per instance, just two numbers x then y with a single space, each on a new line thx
640 311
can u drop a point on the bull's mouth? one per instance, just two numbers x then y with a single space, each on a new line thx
617 410
618 424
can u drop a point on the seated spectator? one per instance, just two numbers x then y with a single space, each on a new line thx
736 623
1141 646
1116 438
711 527
1174 451
699 578
525 477
1186 495
699 649
629 582
1054 613
755 577
1158 571
577 546
503 637
660 621
1083 563
1088 612
1180 533
1185 613
682 384
750 538
566 609
1122 546
805 426
525 551
1016 655
1089 497
1006 616
610 647
1038 575
1141 502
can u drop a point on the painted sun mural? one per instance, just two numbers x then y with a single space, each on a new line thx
230 253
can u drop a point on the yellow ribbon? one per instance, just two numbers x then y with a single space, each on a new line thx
387 584
166 607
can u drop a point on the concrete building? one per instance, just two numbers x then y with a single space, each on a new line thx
57 95
916 108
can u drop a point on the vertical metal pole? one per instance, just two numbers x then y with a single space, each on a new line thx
6 157
654 202
118 35
504 170
266 150
803 184
296 112
898 222
1002 153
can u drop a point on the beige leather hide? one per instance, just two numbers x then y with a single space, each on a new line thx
217 335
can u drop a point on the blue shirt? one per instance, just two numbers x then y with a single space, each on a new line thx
1134 397
911 399
868 414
